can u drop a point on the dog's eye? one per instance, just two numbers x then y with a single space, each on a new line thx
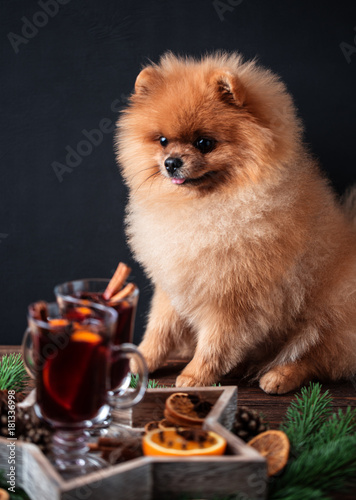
204 144
163 141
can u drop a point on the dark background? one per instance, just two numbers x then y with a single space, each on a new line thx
79 68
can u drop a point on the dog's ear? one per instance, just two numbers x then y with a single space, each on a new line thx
145 80
228 86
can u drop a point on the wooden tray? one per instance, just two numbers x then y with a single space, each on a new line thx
242 470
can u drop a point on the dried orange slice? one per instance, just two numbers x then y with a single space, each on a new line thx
85 336
182 442
150 426
85 311
186 409
274 446
164 423
4 495
58 322
79 313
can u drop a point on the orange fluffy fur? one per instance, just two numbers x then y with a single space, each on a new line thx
252 258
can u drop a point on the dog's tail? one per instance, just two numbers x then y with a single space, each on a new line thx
349 204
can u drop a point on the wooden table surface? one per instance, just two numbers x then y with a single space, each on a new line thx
272 407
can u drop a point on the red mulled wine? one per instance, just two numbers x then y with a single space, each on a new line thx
71 379
123 333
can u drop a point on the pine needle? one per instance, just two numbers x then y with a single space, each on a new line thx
326 467
324 448
152 383
13 375
339 425
306 415
299 492
134 380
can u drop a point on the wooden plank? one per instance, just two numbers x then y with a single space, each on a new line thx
130 481
173 478
8 349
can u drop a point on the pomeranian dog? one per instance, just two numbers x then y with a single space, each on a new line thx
252 257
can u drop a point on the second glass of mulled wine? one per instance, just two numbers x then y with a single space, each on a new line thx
89 291
70 362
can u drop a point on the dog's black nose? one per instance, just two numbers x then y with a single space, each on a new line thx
172 164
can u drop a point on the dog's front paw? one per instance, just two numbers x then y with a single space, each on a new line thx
187 381
153 361
280 380
135 368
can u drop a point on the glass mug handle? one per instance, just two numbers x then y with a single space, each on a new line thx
129 396
27 353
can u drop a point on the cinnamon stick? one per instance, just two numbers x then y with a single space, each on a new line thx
39 311
116 450
121 274
125 292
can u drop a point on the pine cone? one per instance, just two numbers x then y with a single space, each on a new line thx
32 429
28 427
248 423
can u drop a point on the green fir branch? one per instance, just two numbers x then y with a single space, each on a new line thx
13 375
326 467
299 492
324 448
339 425
305 416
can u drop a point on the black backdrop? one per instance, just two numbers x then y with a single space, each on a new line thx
66 73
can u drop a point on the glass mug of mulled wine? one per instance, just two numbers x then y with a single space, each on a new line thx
71 362
92 291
